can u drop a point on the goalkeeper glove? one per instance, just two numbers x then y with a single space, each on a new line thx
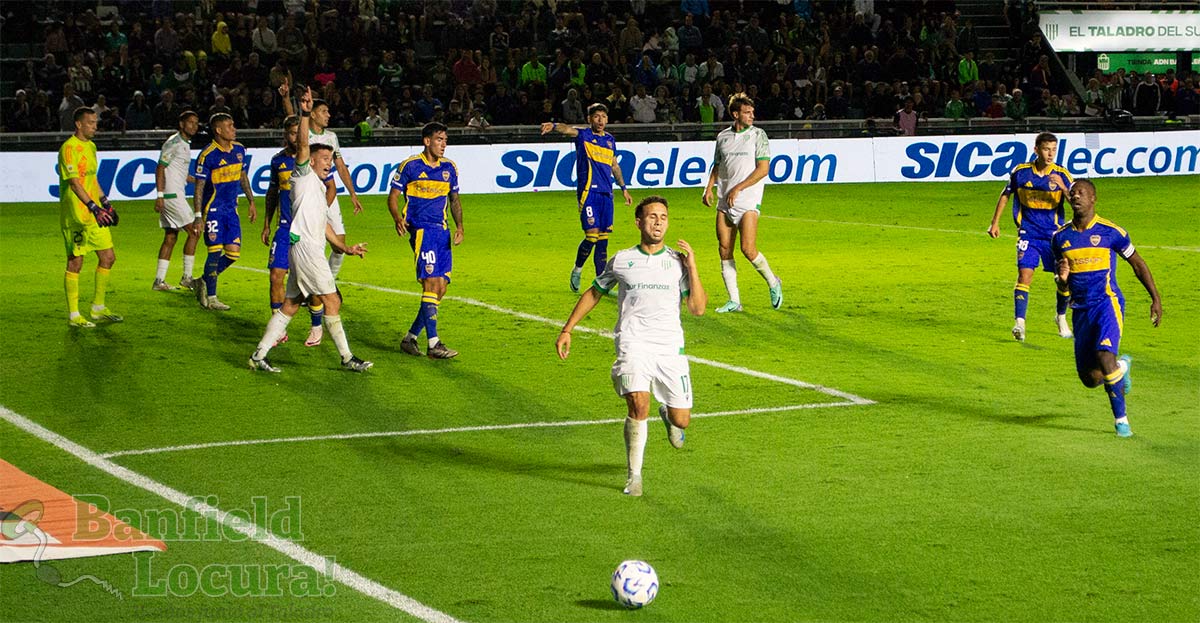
112 212
100 214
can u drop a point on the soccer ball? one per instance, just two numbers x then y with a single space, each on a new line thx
634 584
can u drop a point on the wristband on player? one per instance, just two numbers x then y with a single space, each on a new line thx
304 113
161 194
553 127
198 215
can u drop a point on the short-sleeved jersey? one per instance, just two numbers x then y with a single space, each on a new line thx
77 160
736 155
426 187
325 137
594 157
222 170
651 288
1037 208
309 210
1092 254
283 166
176 158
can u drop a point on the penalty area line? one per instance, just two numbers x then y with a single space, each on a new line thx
339 573
456 429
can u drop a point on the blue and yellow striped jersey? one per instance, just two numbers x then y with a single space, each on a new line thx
1038 208
426 187
1092 254
222 171
283 165
594 158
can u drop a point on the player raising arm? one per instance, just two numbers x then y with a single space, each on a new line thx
652 280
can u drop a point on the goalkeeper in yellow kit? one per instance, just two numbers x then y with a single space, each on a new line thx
86 217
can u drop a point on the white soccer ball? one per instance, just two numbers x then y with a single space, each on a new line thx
634 584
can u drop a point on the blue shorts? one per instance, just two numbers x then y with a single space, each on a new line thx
280 245
1097 328
432 249
222 227
1032 250
596 211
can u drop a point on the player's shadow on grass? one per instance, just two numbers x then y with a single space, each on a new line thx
1045 420
600 604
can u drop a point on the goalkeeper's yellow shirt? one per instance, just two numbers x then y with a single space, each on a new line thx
77 160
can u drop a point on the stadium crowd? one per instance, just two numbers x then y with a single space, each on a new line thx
478 63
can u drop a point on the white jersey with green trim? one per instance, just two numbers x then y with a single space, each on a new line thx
736 155
176 156
308 207
651 288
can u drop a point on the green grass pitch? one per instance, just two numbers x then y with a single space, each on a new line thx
984 483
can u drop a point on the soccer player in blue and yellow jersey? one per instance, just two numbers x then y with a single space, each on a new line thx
220 171
1041 189
86 216
429 183
596 168
1085 252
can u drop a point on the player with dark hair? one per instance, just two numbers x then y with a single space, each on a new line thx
596 168
309 274
429 183
85 216
1085 253
1041 188
220 171
653 280
741 161
174 214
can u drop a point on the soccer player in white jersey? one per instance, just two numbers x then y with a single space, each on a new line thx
174 213
741 162
320 134
309 273
652 281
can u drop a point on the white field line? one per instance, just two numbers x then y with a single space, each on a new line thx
259 534
943 231
443 431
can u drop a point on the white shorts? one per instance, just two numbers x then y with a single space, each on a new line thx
734 214
176 214
308 272
334 215
667 377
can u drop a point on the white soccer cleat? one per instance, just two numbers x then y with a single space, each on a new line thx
262 364
186 283
1064 329
162 286
215 304
729 306
314 336
674 433
633 486
1018 331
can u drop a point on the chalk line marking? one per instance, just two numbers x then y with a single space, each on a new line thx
339 573
942 231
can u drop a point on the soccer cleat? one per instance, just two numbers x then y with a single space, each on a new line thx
262 364
162 286
314 337
777 293
440 351
186 282
357 365
1127 380
409 345
633 486
674 433
1064 329
214 304
1123 429
80 322
201 294
105 315
283 338
730 306
575 275
1018 331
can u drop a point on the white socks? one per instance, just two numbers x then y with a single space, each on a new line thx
275 330
729 275
764 269
334 324
335 262
635 444
163 265
189 262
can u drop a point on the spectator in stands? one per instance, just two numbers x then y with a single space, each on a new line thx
166 112
869 69
642 105
533 73
263 39
631 40
618 105
66 108
572 108
41 117
709 105
166 40
968 70
498 41
955 108
1147 96
754 35
466 71
290 41
1017 108
17 115
691 40
139 115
